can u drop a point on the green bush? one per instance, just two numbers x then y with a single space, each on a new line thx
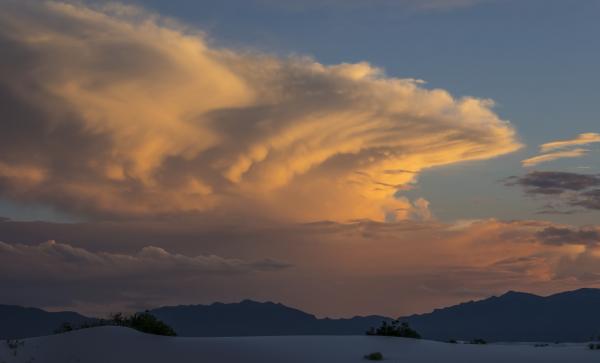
374 356
395 329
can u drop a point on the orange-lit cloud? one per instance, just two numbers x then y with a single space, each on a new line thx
114 111
582 139
533 161
561 149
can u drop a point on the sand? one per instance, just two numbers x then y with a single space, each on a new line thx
116 345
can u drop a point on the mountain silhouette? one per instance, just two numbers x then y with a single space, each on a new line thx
20 322
571 316
255 318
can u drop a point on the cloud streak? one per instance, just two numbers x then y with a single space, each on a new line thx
544 158
112 111
582 139
561 149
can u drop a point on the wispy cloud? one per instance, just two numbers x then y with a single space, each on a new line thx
582 139
561 149
554 156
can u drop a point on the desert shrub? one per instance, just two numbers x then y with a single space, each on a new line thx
14 345
452 341
478 341
593 346
65 327
148 323
395 329
144 322
374 356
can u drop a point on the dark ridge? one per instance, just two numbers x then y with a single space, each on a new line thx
20 322
251 318
570 316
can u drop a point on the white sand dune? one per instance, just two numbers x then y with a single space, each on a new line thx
115 345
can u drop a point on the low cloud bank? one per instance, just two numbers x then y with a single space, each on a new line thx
336 269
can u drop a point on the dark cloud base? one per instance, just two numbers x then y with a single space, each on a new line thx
565 190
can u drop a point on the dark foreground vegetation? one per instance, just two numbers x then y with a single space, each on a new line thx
143 322
374 356
395 329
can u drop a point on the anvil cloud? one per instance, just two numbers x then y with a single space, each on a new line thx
112 111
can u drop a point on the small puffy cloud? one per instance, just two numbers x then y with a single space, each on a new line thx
562 149
570 189
111 111
583 267
533 161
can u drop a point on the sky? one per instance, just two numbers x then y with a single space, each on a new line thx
343 157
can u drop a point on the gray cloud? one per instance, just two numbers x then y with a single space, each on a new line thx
60 275
589 199
423 5
554 182
564 189
560 236
63 262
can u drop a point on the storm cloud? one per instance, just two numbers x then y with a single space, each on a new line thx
110 111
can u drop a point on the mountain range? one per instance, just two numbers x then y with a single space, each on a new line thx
21 322
254 318
571 316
